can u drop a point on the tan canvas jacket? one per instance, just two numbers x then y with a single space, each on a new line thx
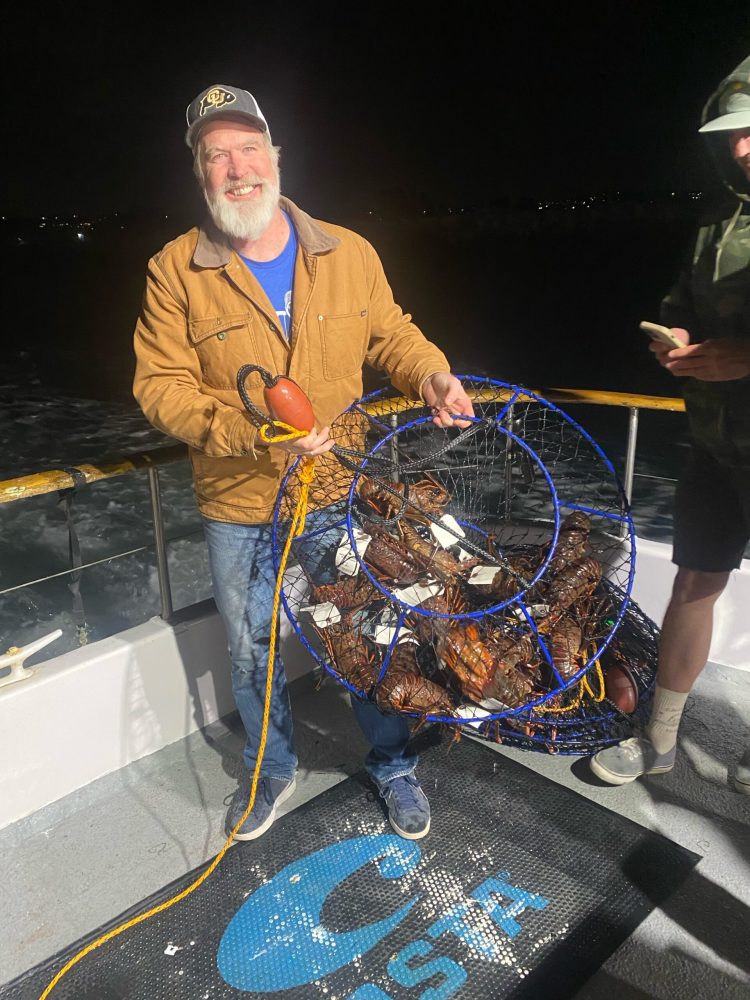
204 315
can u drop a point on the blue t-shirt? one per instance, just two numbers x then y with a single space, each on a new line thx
276 278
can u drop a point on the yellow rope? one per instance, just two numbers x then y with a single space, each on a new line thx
583 688
291 433
307 473
602 688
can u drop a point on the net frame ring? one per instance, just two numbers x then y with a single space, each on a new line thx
516 598
512 394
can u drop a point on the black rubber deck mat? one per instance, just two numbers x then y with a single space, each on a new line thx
522 889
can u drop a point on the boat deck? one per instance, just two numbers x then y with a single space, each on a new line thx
77 863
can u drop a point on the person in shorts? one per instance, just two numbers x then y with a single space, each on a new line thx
709 310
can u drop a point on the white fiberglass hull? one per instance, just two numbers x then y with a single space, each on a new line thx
91 711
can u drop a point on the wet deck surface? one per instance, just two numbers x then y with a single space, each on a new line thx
79 862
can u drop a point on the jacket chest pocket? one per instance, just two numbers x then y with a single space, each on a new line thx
343 340
223 344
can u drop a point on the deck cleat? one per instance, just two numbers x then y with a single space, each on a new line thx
16 656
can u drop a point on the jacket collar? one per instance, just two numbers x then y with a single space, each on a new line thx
213 248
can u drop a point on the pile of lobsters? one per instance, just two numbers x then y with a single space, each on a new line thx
429 618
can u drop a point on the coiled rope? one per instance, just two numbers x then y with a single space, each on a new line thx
584 687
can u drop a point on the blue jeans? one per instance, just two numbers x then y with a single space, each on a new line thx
241 563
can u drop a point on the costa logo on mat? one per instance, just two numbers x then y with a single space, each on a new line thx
217 97
277 939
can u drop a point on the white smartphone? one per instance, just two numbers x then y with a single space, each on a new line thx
661 333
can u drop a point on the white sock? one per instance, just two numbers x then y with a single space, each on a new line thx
666 712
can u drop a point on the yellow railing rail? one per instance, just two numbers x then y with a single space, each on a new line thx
52 480
593 397
627 399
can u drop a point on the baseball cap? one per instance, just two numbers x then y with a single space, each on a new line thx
734 105
221 100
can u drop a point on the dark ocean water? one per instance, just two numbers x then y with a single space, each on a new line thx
553 304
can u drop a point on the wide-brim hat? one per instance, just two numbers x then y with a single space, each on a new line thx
222 101
734 105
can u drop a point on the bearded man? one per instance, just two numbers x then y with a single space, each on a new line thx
263 282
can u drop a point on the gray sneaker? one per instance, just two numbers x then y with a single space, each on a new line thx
408 808
742 774
270 794
626 761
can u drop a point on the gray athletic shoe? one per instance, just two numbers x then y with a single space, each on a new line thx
626 761
742 774
270 794
408 808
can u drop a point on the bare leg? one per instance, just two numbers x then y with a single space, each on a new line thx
683 651
687 627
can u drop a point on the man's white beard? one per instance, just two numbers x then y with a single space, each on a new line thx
244 220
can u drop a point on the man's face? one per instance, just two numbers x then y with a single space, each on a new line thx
241 183
739 147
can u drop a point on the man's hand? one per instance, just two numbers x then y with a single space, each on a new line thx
663 351
314 443
445 395
712 361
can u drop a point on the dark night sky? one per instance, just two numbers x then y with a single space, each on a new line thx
368 101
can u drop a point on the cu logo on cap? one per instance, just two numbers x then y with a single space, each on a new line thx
215 98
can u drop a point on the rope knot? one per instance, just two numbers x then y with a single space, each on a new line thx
307 470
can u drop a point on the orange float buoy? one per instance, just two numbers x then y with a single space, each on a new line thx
285 400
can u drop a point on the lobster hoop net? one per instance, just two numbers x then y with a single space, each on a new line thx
475 576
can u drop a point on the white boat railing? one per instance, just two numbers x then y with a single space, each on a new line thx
70 477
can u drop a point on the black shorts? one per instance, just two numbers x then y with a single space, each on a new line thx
711 515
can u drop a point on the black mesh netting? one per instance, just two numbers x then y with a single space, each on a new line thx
477 576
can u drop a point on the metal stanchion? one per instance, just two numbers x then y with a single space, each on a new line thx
393 421
630 462
160 541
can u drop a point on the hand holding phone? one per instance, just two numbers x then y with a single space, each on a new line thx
662 334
